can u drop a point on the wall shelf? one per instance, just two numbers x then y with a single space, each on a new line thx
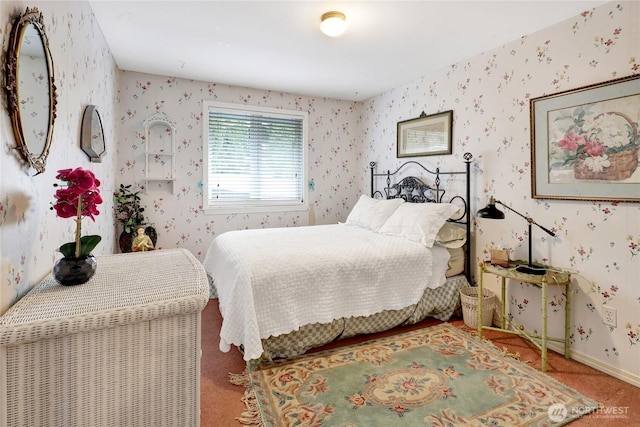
159 151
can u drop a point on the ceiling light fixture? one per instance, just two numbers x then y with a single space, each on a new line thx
333 23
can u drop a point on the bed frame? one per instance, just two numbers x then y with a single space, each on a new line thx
435 302
411 189
414 190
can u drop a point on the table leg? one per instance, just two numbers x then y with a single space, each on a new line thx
504 301
544 324
481 270
567 318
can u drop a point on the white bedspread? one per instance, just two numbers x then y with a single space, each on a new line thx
272 281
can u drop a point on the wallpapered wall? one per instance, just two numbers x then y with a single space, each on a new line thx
333 147
489 94
85 74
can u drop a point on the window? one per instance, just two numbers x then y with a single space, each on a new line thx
255 158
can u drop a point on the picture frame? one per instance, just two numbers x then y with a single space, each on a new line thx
585 143
427 135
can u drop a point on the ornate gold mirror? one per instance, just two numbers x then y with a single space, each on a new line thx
31 92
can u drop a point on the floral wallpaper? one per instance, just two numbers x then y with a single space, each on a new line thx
85 74
176 212
598 242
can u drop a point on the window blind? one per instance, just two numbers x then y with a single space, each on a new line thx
255 157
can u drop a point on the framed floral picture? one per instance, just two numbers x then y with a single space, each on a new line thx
585 143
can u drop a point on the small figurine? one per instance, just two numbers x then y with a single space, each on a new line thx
141 242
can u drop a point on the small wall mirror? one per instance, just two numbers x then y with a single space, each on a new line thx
31 92
92 138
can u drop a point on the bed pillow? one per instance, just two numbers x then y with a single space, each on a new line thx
372 213
451 235
419 222
456 262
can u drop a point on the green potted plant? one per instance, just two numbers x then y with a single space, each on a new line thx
130 213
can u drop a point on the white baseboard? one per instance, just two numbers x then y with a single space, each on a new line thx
597 364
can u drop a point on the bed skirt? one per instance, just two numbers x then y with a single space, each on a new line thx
439 303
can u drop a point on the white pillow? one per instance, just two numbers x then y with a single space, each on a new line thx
372 213
456 262
452 235
419 222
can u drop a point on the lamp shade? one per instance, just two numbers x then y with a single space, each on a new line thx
333 23
490 211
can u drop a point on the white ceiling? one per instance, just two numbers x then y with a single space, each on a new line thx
277 45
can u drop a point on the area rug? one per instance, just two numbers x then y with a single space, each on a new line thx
437 376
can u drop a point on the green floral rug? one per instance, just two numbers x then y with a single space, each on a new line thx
438 376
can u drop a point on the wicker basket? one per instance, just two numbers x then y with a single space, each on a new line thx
469 300
623 165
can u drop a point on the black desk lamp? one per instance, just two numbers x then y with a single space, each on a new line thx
492 212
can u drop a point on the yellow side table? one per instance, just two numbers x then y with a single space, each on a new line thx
553 277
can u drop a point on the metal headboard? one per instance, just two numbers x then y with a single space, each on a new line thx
414 190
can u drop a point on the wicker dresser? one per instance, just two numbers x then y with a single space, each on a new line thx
120 350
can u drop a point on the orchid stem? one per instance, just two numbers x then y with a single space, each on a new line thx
78 226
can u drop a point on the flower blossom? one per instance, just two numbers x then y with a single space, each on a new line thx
594 148
597 164
571 141
80 183
607 128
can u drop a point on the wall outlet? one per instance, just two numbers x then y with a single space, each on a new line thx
609 316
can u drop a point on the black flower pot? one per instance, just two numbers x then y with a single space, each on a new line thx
125 242
74 271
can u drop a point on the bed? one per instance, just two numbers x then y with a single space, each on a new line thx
398 258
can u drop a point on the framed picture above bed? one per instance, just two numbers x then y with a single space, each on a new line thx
585 143
427 135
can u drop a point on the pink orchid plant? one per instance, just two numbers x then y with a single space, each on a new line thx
77 197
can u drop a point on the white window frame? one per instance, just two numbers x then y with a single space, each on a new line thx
236 206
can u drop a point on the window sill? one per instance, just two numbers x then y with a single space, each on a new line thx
237 209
